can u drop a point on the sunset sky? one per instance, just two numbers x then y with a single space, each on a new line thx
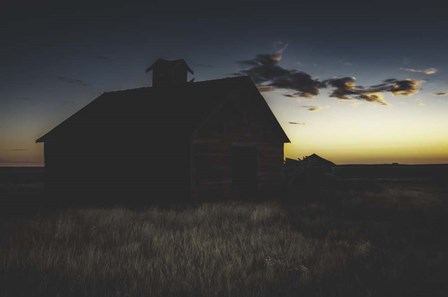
352 84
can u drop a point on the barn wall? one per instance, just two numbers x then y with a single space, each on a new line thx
270 166
244 121
154 170
210 170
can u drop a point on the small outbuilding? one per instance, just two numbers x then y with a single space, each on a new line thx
178 138
310 169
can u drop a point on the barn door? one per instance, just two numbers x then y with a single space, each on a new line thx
244 169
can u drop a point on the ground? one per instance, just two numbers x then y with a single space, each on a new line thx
348 237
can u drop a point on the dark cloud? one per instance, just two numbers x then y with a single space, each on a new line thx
268 75
312 107
264 69
297 123
70 80
291 95
301 82
404 87
372 97
346 88
441 94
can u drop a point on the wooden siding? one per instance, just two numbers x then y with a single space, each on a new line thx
236 123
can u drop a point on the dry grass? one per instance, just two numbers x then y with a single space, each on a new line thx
236 249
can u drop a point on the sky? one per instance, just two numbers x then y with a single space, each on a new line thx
353 83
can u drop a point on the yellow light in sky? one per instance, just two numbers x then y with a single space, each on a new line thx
343 132
366 132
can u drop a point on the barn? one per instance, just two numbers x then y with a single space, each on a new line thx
214 138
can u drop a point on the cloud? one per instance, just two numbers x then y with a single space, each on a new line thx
346 88
373 97
420 103
406 87
301 82
265 71
279 47
297 123
263 68
441 94
70 80
428 71
312 108
295 95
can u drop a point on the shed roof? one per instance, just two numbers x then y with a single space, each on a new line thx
316 160
178 110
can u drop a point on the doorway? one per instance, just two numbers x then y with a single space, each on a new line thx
244 169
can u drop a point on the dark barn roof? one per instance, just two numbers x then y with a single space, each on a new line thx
169 112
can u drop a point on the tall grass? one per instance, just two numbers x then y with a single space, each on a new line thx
234 249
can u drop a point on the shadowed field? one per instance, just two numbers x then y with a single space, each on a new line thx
366 239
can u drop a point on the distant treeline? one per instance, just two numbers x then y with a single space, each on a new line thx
21 174
392 171
429 171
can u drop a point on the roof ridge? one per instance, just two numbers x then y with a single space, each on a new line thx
188 84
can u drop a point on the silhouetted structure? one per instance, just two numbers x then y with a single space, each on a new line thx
310 169
177 137
169 73
317 161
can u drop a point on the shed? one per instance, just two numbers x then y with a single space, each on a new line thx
310 169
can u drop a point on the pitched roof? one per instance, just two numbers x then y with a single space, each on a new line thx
178 110
316 160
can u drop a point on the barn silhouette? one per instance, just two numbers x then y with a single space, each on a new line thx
178 138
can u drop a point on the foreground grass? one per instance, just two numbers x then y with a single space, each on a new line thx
351 248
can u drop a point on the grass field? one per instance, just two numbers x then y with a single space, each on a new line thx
380 240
